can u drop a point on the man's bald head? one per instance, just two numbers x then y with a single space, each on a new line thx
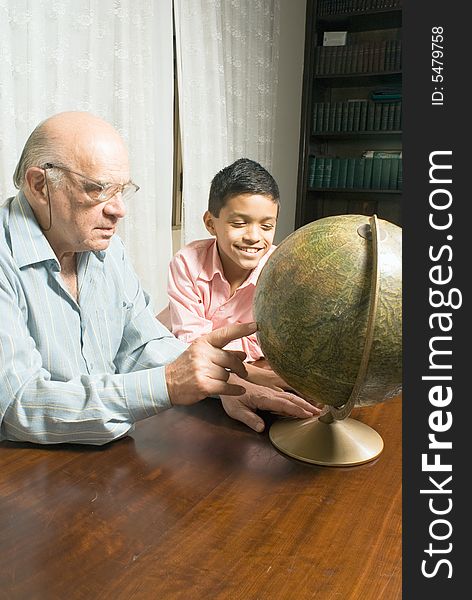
68 137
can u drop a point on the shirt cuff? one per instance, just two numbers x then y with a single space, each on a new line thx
146 392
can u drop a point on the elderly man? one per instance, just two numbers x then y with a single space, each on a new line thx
82 357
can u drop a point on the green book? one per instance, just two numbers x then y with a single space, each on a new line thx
376 167
400 175
350 115
338 116
328 167
342 173
332 117
367 182
370 117
363 115
377 116
351 163
393 181
311 170
326 116
334 183
357 114
397 117
318 173
358 178
344 116
386 164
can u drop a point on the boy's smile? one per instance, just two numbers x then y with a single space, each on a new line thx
244 231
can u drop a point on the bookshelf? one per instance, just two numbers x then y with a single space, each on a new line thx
351 127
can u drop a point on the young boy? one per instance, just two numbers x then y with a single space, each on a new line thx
212 281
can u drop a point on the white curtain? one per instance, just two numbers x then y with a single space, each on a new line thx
113 58
227 67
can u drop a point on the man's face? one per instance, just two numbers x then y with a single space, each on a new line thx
244 231
79 222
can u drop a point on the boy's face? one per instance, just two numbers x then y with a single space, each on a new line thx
244 232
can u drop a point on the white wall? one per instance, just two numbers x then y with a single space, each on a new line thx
287 132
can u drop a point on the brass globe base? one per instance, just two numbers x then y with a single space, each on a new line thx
337 444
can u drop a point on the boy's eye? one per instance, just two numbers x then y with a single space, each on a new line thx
238 223
267 226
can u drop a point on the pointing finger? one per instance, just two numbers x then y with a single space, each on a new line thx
220 337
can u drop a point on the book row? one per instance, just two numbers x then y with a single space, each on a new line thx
336 7
356 115
355 173
369 57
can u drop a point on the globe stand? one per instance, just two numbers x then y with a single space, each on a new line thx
333 439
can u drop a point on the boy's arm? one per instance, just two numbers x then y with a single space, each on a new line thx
187 311
266 377
257 397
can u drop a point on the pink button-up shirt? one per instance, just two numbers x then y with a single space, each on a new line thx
200 296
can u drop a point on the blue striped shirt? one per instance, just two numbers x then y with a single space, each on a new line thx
74 372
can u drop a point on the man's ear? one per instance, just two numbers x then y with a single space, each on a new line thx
36 183
208 220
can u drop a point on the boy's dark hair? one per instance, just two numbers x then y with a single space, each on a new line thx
244 176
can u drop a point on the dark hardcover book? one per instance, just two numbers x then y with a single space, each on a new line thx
338 116
398 55
342 176
326 116
370 57
376 169
363 115
333 59
350 115
384 116
358 179
382 55
314 116
351 163
386 165
311 171
367 182
349 59
397 116
334 183
344 116
318 110
319 170
390 115
332 117
377 116
393 181
370 116
357 114
328 167
389 55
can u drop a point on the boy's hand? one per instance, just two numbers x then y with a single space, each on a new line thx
243 408
266 377
204 368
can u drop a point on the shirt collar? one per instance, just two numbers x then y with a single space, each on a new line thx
28 242
212 266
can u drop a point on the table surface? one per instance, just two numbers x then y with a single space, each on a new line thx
194 505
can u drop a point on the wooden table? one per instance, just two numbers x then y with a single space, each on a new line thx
196 506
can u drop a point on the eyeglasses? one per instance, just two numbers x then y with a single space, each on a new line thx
100 192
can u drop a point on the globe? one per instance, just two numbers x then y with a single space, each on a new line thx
329 315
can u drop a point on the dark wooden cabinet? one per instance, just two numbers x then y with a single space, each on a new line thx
350 143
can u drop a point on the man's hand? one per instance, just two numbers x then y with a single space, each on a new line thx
259 397
204 368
